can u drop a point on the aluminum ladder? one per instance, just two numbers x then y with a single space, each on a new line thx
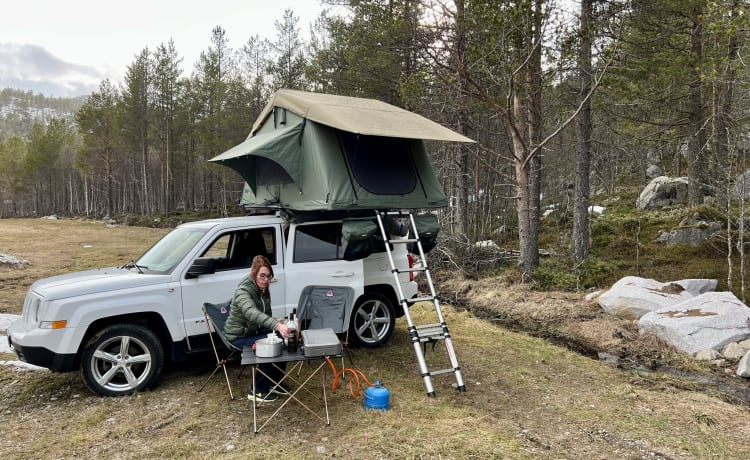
421 334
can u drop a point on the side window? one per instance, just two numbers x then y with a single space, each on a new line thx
219 248
314 243
236 249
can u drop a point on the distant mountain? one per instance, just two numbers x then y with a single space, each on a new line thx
32 68
20 109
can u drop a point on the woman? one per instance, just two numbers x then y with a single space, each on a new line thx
250 319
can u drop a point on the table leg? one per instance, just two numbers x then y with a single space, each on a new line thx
255 417
293 396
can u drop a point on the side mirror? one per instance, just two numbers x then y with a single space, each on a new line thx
201 266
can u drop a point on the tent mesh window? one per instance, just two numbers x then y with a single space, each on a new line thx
372 160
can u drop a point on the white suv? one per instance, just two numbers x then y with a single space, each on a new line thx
119 324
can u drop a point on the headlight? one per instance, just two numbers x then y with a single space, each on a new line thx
31 310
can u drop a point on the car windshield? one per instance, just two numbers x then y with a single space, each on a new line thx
163 256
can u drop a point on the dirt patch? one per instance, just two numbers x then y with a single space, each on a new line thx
569 320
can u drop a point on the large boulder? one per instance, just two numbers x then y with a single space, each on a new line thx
633 296
698 286
692 230
663 191
708 321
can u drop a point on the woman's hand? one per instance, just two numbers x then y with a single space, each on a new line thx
282 329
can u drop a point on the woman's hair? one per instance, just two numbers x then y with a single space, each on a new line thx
258 263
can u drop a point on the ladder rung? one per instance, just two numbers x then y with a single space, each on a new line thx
433 335
442 371
420 299
429 331
404 241
410 270
428 326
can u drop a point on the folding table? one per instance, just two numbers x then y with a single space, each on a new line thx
298 359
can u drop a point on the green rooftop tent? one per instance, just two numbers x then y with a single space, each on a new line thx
321 152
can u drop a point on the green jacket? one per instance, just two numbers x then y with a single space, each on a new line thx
249 312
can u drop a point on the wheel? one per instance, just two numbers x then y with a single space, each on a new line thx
372 320
121 360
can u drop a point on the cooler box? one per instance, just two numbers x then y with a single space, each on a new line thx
320 342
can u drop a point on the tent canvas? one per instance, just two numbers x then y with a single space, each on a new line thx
310 151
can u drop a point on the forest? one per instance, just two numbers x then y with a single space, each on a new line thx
568 102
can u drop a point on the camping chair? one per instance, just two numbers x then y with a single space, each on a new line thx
322 307
216 315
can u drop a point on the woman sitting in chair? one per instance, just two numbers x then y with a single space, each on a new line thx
250 319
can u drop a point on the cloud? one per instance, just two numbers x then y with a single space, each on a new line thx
33 68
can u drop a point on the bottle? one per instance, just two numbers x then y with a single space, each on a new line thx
291 339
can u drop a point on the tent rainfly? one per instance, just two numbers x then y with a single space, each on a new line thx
313 152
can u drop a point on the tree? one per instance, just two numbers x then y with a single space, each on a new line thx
583 157
254 57
43 166
287 70
136 121
166 89
210 84
12 178
99 123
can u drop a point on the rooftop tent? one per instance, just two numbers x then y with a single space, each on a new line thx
311 151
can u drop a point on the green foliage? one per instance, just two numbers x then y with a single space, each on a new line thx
557 274
552 274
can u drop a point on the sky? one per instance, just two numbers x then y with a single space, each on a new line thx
66 48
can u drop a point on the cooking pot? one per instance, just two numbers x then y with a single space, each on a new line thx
268 347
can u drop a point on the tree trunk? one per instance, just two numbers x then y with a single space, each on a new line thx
583 159
527 120
696 146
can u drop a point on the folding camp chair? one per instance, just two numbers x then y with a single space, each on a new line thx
216 315
322 307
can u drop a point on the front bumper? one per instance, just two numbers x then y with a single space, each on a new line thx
40 355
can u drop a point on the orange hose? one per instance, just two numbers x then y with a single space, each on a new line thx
353 378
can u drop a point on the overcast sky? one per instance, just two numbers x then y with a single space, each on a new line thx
66 48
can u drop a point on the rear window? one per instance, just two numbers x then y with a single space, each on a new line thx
314 243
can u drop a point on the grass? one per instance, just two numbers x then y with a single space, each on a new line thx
526 397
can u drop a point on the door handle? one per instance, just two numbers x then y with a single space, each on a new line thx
343 274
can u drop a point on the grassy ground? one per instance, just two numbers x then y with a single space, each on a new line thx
525 398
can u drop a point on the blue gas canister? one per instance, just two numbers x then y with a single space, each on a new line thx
377 397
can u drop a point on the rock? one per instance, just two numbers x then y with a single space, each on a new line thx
733 351
743 367
744 344
708 355
653 171
698 286
633 296
709 321
593 295
6 259
691 235
663 191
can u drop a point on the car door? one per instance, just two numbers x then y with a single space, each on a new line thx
315 258
233 251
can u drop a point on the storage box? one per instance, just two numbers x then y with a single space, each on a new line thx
320 342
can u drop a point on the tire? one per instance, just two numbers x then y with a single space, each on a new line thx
372 321
121 360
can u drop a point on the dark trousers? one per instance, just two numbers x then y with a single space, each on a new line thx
274 371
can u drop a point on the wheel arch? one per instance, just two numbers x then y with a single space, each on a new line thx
150 320
388 292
